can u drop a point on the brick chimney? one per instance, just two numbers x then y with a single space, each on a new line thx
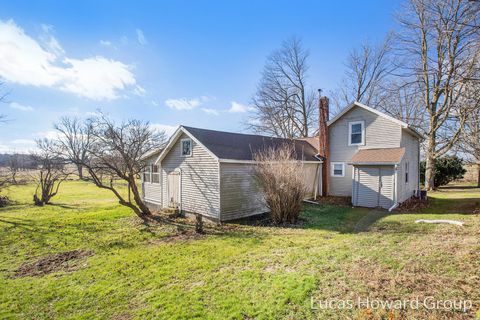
323 141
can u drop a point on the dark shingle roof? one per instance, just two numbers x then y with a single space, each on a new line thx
237 146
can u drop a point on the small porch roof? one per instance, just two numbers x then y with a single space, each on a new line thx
383 156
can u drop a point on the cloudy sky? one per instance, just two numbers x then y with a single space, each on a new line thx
195 63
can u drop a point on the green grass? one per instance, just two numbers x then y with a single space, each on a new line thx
235 271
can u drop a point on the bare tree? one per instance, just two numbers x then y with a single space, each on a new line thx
13 166
50 173
284 106
439 41
74 139
367 68
469 142
113 157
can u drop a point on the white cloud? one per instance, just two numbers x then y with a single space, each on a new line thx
23 141
239 108
141 37
21 107
50 134
106 43
211 111
25 61
186 104
139 91
169 129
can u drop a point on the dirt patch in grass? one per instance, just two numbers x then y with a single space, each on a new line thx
412 205
64 261
335 201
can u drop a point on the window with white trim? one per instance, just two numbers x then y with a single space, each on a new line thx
186 146
155 174
338 169
407 168
356 133
151 174
147 174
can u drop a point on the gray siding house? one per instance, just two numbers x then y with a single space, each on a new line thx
211 173
373 158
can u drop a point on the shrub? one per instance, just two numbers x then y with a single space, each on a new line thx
446 169
280 177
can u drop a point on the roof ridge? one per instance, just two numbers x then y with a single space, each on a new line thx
237 133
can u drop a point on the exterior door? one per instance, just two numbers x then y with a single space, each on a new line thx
173 189
373 187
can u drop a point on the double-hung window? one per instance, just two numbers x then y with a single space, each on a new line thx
155 174
338 169
186 147
356 133
151 174
147 174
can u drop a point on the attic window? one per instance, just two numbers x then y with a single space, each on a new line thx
186 145
356 133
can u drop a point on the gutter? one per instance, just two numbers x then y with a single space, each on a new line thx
393 207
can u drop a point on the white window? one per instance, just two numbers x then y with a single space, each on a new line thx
151 174
356 133
155 174
407 165
186 145
147 174
338 169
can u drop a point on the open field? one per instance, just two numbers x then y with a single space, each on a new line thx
235 271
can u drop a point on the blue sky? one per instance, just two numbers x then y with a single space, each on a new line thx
169 62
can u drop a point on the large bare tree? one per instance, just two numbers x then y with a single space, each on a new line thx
366 71
74 139
284 105
114 157
439 45
469 142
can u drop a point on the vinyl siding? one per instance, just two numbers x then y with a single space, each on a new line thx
367 190
411 145
239 193
199 179
152 192
379 133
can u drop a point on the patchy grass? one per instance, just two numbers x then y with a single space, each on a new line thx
234 271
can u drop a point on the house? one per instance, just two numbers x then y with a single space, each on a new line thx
211 172
368 156
374 158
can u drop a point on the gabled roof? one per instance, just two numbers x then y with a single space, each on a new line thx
151 153
404 125
236 146
378 156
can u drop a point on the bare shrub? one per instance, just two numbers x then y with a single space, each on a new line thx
280 176
51 171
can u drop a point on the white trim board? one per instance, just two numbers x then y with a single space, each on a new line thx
174 139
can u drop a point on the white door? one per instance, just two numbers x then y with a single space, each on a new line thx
173 189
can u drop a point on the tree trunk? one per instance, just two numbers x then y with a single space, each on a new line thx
138 199
478 175
430 164
80 171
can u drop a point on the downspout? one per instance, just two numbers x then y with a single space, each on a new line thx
395 203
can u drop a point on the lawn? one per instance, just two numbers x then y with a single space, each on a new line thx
235 271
